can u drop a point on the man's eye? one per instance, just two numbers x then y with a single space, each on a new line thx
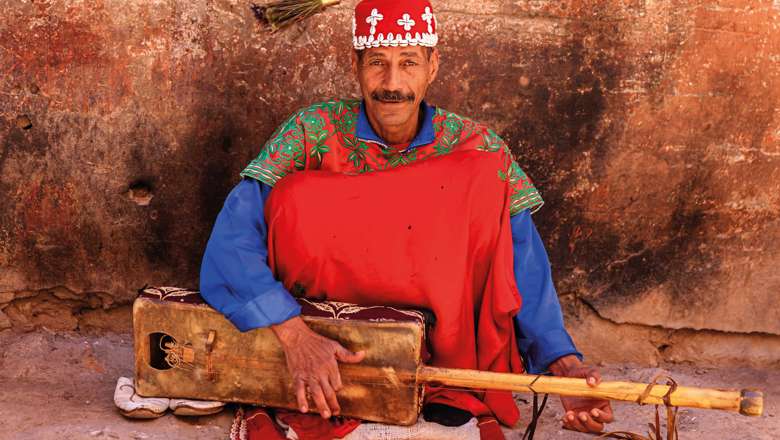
409 63
374 63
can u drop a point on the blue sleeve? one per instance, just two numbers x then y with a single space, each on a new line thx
541 336
234 277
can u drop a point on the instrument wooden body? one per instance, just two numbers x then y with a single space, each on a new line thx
212 360
192 351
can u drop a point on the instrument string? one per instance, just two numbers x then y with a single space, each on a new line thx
408 380
173 354
536 414
655 428
394 379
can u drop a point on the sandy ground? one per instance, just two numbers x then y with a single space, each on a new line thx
60 386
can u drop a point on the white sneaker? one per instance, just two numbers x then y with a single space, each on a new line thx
134 406
186 407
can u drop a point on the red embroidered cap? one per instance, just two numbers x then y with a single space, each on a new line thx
393 23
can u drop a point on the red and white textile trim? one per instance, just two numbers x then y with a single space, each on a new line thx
394 23
256 424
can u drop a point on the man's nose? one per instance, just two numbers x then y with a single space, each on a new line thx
392 78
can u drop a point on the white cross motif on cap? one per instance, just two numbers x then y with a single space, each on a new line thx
406 21
373 19
428 18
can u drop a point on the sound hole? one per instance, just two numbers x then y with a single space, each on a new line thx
157 354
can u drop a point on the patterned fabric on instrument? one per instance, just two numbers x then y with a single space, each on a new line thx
309 307
174 294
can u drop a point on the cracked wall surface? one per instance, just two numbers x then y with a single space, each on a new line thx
651 128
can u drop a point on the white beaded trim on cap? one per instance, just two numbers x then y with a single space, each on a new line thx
425 39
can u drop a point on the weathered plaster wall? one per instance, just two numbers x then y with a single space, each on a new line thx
652 129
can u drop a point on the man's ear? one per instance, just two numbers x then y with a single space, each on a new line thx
354 62
433 66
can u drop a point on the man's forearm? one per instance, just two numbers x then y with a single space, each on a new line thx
564 365
290 331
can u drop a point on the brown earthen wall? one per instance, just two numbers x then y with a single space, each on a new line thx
651 127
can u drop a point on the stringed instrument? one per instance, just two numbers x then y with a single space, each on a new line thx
186 349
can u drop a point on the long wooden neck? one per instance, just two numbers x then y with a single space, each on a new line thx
746 402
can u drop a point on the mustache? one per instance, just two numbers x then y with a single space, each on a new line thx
391 96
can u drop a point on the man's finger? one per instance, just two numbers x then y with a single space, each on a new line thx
330 395
570 421
334 376
590 424
319 398
603 415
300 394
344 355
593 377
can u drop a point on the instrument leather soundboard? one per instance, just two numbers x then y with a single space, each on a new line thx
186 349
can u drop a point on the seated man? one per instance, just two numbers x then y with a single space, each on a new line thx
395 61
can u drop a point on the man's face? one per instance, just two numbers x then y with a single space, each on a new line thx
394 80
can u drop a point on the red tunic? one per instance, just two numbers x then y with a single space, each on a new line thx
391 238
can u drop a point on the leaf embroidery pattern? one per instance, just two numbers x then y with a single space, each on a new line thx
322 136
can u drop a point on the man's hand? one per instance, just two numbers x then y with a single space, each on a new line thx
582 413
311 359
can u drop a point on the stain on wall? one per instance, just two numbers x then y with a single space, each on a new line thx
651 128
